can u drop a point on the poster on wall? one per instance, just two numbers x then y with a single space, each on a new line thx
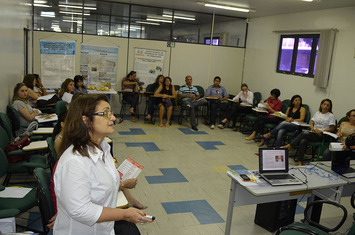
57 62
99 64
148 64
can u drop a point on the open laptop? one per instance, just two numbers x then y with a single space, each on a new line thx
341 163
273 167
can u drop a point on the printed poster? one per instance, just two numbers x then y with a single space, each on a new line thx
99 64
148 64
57 62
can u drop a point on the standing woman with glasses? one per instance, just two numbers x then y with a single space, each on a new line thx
86 180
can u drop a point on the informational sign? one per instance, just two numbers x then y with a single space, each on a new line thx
99 64
57 62
148 64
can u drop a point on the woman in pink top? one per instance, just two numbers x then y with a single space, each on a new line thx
273 104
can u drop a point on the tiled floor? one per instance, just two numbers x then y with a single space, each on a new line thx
184 181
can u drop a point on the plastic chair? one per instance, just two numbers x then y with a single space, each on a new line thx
21 204
44 198
313 227
60 106
249 119
183 114
52 156
25 166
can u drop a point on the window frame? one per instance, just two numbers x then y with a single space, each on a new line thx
311 64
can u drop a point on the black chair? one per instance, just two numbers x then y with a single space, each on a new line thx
249 119
125 104
315 228
44 198
183 112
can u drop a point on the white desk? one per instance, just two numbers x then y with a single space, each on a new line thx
36 145
110 92
43 131
263 192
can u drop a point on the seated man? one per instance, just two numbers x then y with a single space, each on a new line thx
132 86
216 94
190 99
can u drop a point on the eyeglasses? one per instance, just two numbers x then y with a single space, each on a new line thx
108 114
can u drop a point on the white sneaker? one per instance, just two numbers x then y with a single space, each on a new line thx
212 127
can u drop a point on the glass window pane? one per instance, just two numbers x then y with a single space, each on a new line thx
230 31
149 23
286 54
119 26
315 60
303 55
190 27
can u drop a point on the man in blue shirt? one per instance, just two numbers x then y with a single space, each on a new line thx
190 100
216 94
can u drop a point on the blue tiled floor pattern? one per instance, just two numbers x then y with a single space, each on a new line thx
209 145
133 131
201 209
188 131
300 209
148 146
170 175
238 168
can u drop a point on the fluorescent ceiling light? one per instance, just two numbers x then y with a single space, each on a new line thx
227 7
73 21
77 7
39 2
160 20
180 17
73 13
40 5
307 0
145 22
47 14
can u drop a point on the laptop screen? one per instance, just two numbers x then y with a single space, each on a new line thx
273 160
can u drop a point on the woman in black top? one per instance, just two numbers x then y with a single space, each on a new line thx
167 92
295 113
152 100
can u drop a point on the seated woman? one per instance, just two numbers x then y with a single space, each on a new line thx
30 81
22 105
244 99
167 92
346 128
132 86
273 104
86 181
67 91
79 86
323 120
39 89
154 101
295 113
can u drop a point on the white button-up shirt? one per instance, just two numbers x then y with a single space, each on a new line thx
84 186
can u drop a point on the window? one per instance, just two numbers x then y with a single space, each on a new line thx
215 41
298 54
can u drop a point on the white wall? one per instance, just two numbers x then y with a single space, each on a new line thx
13 17
262 51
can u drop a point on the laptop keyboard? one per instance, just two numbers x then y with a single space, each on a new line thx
278 177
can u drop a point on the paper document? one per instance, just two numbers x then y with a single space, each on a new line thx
279 114
336 146
231 100
262 106
15 192
260 110
121 200
47 118
330 134
46 97
129 169
301 124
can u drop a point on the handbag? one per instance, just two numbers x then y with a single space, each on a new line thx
17 145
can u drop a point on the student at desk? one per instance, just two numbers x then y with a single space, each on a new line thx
323 120
295 112
218 94
30 81
39 89
244 99
273 104
79 86
346 128
131 83
22 105
67 91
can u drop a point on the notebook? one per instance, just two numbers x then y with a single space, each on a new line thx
273 167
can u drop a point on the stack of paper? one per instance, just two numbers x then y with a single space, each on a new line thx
336 146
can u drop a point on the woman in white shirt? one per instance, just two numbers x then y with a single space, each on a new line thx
323 120
86 180
245 99
67 91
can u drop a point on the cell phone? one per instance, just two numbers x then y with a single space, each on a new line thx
245 177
